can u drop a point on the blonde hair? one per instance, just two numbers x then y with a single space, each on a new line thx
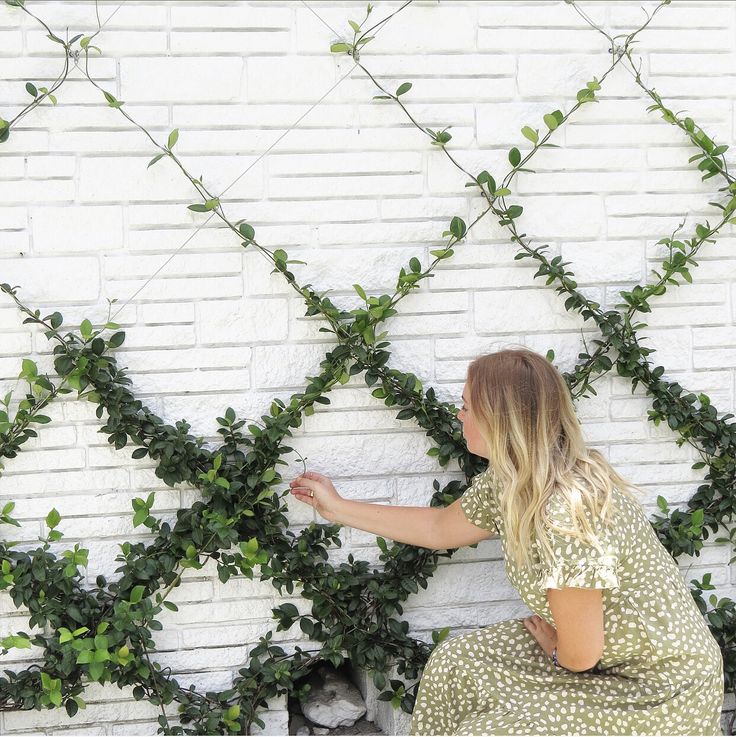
524 412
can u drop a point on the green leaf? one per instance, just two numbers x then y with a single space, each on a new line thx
233 712
550 121
140 517
514 156
336 47
112 101
154 160
4 130
28 369
532 135
360 291
52 519
403 88
173 138
247 231
31 89
85 657
457 227
116 340
136 594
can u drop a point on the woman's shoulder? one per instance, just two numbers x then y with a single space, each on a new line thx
560 506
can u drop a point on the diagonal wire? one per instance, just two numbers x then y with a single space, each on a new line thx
109 18
322 20
237 179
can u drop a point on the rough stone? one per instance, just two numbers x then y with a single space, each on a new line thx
333 700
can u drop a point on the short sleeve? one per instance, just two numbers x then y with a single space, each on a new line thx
479 502
577 563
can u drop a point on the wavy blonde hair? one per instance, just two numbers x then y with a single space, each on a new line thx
524 412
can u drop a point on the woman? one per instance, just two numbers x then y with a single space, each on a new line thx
616 644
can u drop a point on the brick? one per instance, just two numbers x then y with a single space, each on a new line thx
255 320
74 279
540 39
231 17
293 78
258 41
174 79
457 23
115 178
64 229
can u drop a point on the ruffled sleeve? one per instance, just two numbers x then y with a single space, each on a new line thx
480 503
576 563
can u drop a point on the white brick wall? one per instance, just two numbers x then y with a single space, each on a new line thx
354 190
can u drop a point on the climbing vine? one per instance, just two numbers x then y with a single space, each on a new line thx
105 633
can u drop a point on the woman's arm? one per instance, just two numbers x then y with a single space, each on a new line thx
436 528
412 525
578 615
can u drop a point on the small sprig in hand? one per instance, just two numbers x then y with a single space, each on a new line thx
319 492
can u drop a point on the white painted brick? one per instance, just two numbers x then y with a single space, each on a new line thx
74 279
37 190
716 358
64 229
15 243
691 64
11 43
185 264
458 25
192 15
51 166
70 117
568 73
127 178
180 79
13 217
13 168
547 39
524 309
294 78
714 337
83 16
522 15
345 186
168 289
114 45
255 116
256 320
224 43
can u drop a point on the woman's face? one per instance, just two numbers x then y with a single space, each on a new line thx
472 437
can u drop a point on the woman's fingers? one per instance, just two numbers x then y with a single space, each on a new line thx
314 475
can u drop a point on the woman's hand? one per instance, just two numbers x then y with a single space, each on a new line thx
544 633
325 499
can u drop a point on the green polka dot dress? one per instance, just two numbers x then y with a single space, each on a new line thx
661 671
